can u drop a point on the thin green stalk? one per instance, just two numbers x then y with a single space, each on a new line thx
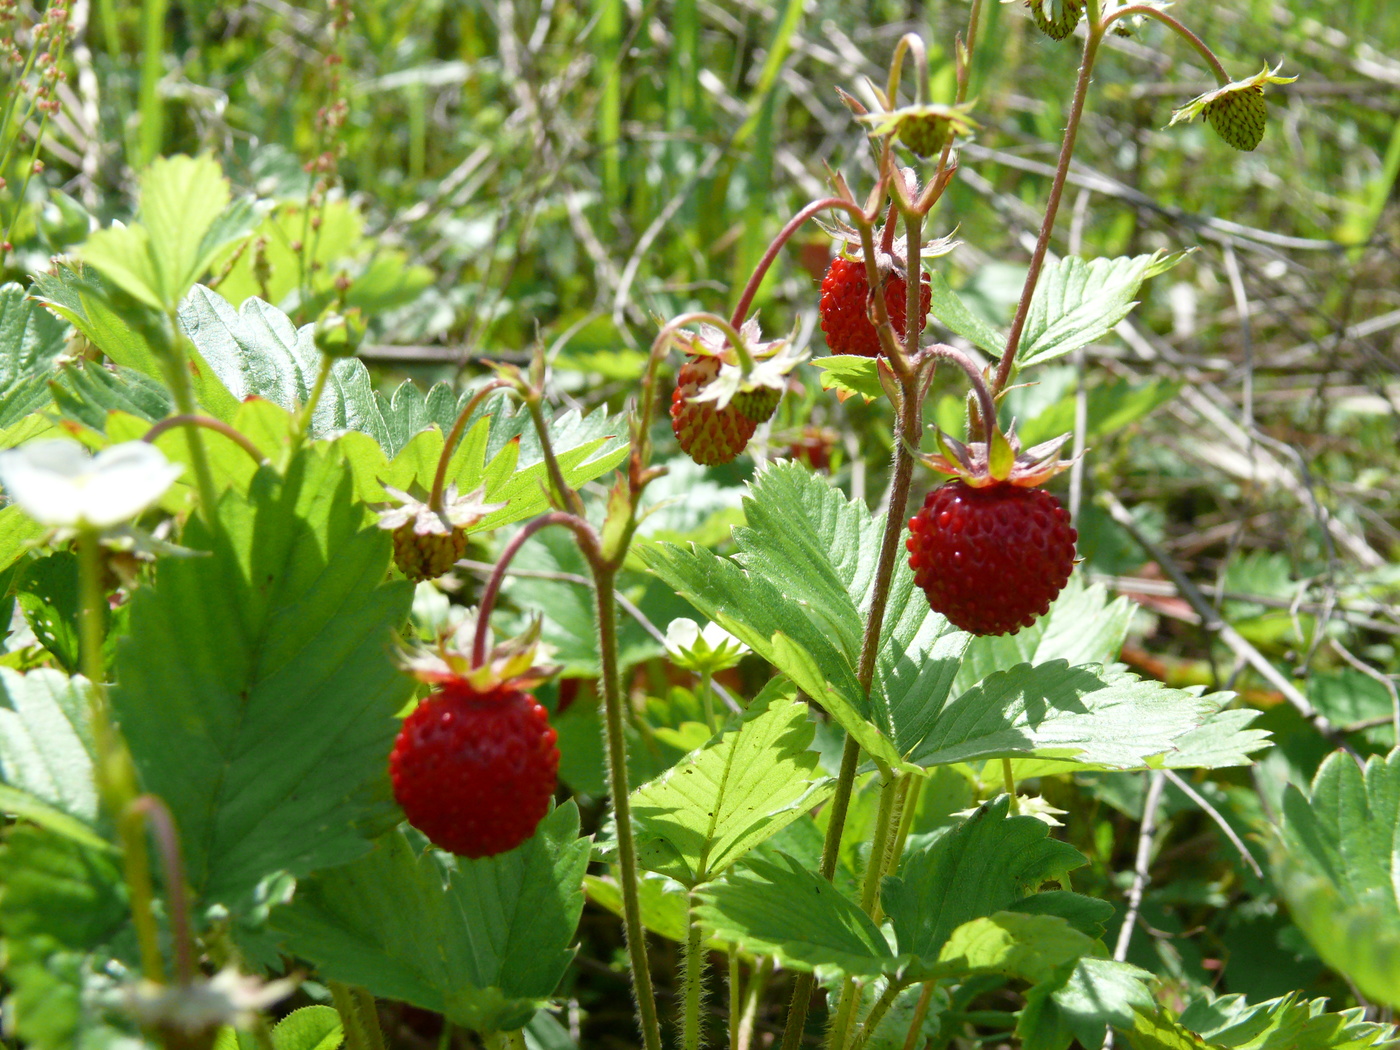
1009 780
753 994
604 578
343 996
707 700
736 998
916 1023
907 423
369 1018
693 980
308 410
116 779
183 392
152 69
1052 206
877 1014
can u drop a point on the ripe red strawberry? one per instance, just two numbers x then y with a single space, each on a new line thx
991 559
475 771
845 321
707 435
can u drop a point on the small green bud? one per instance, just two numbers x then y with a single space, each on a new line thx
339 335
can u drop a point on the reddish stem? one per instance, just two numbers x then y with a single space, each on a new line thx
449 442
190 420
493 583
784 235
168 840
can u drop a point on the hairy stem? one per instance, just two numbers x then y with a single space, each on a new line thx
604 578
180 387
877 1014
693 979
1052 207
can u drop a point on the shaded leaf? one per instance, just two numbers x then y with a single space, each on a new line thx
483 941
256 689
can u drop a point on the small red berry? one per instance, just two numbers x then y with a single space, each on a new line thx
991 559
708 435
475 771
844 315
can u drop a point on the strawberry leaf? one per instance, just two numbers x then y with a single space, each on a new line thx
1078 301
960 319
256 689
1341 847
46 752
30 338
849 374
717 803
483 941
790 912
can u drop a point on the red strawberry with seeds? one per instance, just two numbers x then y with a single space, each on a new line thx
991 559
844 308
707 434
475 770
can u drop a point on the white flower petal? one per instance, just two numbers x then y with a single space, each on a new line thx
56 484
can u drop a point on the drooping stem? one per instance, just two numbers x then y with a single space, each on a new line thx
660 346
493 582
914 45
604 578
974 375
794 224
1201 47
116 779
208 423
1052 207
153 810
449 443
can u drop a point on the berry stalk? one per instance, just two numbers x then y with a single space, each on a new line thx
209 423
493 583
449 443
1052 206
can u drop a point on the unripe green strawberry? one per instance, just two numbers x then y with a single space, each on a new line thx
427 555
1056 18
925 134
757 405
1239 116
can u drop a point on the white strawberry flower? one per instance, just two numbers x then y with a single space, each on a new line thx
59 484
772 362
711 649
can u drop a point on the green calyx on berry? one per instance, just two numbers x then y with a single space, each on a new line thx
754 391
428 542
1237 111
1055 18
924 128
999 460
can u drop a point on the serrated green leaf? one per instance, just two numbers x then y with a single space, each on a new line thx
1341 848
1077 301
790 912
46 747
720 801
124 256
982 866
1092 715
181 197
276 645
851 374
483 941
796 592
47 591
63 902
30 337
956 316
1286 1023
88 392
310 1028
1096 994
131 333
17 531
1035 948
256 351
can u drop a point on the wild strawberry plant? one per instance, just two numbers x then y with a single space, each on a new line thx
244 752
